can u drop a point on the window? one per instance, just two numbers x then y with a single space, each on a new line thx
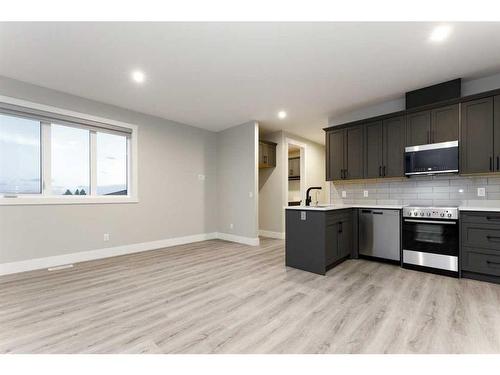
50 157
70 159
111 164
19 156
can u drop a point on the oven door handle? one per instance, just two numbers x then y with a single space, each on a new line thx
430 222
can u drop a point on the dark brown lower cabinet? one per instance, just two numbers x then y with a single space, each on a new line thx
318 240
480 245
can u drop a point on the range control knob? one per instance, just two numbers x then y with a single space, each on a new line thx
449 215
442 215
421 214
428 214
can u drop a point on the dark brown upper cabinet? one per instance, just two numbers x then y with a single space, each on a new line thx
477 137
354 152
335 155
444 124
374 135
496 131
418 128
432 126
394 147
384 152
344 149
267 154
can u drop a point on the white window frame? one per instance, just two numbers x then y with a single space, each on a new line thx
45 197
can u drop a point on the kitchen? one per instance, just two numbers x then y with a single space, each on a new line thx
409 188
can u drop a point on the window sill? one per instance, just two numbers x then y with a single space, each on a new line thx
31 200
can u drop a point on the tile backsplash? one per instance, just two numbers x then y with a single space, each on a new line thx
450 190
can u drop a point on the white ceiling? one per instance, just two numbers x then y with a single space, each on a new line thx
217 75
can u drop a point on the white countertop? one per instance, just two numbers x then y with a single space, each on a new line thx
479 208
331 207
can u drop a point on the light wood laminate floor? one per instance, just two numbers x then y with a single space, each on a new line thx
221 297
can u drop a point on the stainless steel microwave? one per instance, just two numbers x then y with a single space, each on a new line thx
433 158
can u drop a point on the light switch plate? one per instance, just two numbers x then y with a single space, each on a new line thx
481 192
201 177
344 194
302 215
365 193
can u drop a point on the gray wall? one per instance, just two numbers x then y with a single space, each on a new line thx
173 202
237 150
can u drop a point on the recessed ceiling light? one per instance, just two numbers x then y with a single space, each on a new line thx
440 33
138 76
281 115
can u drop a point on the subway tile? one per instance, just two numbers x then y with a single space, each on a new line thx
433 196
448 202
493 180
433 183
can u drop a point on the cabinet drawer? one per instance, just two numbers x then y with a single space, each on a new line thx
479 236
481 218
478 261
337 216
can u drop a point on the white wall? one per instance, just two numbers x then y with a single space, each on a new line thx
237 193
173 201
273 182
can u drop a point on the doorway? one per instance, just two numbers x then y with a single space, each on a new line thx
296 173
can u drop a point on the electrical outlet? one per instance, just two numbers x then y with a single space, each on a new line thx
201 177
344 194
231 226
106 237
365 193
250 194
481 192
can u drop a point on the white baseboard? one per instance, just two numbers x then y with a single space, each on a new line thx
270 234
252 241
82 256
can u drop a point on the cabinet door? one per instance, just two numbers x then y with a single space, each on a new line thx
496 132
271 154
345 238
476 136
418 128
373 149
444 124
331 243
354 152
394 147
335 155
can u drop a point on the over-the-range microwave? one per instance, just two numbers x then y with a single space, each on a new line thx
434 158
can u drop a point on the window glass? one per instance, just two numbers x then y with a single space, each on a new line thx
111 164
70 161
19 155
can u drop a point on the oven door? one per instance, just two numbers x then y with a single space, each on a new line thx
431 236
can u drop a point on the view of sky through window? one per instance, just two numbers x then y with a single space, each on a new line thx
19 155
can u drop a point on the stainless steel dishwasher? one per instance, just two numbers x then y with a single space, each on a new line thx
380 233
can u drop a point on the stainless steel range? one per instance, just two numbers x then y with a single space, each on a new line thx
430 239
